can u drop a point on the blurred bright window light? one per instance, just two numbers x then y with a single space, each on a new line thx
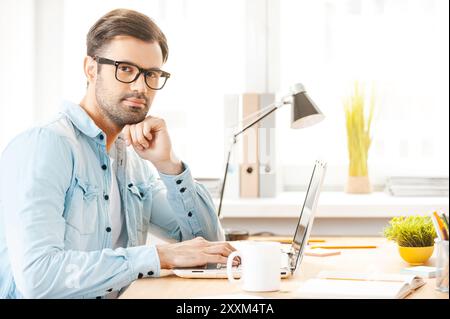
401 46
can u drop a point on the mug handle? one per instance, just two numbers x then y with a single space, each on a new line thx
230 276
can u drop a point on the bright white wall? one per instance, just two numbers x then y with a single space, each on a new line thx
232 46
17 71
402 47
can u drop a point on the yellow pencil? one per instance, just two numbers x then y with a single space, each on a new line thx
441 226
316 240
343 247
285 240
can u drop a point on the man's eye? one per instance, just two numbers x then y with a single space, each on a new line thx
125 68
153 74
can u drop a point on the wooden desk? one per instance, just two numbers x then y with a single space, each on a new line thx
385 258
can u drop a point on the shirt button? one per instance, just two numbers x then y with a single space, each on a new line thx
101 137
130 185
109 290
190 214
140 275
150 273
179 181
104 167
108 229
182 190
106 197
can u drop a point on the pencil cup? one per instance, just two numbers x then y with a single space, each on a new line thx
442 265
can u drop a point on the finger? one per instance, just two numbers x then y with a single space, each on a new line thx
140 136
134 140
156 123
227 244
127 135
216 249
230 246
216 259
148 130
236 260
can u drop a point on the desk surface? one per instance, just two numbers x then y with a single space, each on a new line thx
385 258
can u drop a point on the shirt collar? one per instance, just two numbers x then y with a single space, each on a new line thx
81 119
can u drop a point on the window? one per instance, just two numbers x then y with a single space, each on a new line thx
233 46
400 46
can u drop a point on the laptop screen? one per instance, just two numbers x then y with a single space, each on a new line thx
307 214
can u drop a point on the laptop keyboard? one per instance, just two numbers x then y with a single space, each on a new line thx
214 266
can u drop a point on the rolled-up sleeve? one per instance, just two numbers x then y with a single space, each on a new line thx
183 208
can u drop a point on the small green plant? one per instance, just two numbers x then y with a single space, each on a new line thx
411 231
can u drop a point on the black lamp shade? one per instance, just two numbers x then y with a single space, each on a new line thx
305 112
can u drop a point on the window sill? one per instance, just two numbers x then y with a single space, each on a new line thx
334 205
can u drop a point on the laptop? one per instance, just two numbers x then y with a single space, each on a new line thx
291 254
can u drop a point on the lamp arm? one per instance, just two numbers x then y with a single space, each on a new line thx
275 106
254 115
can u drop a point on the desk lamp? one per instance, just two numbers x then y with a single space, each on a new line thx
304 113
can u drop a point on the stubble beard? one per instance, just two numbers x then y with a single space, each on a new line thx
111 107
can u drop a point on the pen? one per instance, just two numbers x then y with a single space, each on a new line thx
445 225
439 227
444 218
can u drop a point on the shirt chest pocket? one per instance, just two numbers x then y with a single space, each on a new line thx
138 203
82 215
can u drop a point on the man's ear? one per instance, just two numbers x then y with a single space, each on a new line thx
90 69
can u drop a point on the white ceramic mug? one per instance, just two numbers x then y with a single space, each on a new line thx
261 264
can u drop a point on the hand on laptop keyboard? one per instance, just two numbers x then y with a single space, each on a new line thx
194 252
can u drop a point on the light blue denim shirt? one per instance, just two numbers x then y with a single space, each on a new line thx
55 228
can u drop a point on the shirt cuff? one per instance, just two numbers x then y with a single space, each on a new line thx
181 189
179 184
144 262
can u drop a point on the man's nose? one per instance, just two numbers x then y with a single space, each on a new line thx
139 85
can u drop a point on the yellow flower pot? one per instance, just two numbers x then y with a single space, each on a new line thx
416 255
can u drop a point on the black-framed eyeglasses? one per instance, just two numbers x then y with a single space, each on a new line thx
127 72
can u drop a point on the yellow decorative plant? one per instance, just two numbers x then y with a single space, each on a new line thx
358 137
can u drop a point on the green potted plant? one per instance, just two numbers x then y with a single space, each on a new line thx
359 138
414 236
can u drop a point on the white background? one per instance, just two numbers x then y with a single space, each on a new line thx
235 46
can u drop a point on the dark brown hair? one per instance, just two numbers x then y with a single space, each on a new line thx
124 22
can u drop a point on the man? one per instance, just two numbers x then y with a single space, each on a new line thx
78 195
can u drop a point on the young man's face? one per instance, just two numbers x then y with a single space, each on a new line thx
126 103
